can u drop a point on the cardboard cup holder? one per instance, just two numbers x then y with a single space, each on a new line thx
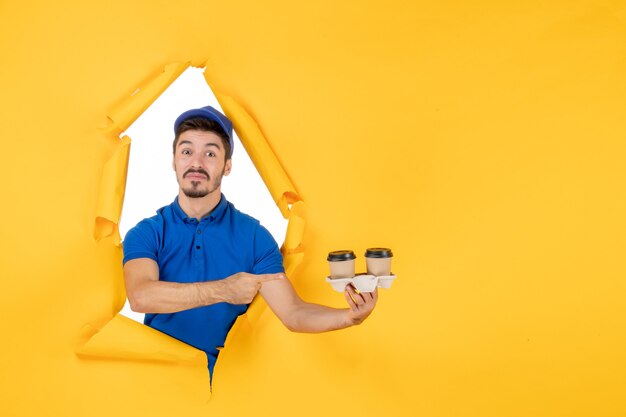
362 282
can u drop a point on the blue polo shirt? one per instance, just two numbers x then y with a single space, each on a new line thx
223 243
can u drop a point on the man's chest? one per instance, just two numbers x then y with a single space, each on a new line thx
203 254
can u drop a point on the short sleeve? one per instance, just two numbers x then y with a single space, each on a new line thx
267 256
141 242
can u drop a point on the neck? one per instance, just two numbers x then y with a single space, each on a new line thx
199 207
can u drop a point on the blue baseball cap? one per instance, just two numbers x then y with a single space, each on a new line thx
210 113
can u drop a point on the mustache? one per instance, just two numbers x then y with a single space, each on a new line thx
196 171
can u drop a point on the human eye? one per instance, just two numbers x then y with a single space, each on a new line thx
185 152
211 154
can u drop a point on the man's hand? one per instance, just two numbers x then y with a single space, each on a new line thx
242 287
361 304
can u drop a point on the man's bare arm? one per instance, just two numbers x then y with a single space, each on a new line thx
300 316
147 294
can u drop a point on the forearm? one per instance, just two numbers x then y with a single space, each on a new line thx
171 297
300 316
315 318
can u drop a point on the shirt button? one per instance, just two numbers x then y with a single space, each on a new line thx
197 247
199 231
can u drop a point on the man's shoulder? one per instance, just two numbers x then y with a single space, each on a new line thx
242 218
149 223
251 227
154 223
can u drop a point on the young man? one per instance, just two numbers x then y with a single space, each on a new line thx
196 265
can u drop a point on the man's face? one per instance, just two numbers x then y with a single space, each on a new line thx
199 163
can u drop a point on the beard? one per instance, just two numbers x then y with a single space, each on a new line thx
195 192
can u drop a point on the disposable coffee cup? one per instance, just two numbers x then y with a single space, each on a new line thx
378 261
341 264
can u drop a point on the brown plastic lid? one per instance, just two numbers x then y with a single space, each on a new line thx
341 255
378 253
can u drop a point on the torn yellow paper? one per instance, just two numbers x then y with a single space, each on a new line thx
127 111
111 193
123 338
261 154
293 247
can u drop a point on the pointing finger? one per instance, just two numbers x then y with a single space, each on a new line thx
270 277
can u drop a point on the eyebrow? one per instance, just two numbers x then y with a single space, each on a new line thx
188 142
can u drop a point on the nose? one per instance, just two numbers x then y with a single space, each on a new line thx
196 160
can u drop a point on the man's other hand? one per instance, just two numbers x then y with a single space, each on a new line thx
242 287
361 304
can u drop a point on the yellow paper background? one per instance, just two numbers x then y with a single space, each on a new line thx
482 141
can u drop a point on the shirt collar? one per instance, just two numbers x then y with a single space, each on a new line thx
216 214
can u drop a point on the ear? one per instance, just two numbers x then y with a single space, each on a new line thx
228 166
